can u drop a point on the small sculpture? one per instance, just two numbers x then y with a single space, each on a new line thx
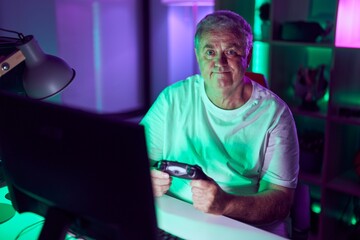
310 86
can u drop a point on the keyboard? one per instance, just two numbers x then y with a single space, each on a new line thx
160 235
163 235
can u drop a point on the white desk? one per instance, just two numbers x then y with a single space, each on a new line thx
173 215
183 220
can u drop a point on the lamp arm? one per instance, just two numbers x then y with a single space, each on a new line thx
10 62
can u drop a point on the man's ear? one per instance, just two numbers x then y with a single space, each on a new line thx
249 56
196 55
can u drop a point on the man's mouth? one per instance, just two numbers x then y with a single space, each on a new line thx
221 72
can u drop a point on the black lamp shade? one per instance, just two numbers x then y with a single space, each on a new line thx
45 75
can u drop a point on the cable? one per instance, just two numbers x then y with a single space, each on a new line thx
29 228
20 35
70 235
9 42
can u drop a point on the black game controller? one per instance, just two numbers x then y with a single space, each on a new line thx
181 170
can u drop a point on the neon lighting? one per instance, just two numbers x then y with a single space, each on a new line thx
260 58
257 20
316 208
181 29
348 97
189 2
326 96
348 24
97 55
353 220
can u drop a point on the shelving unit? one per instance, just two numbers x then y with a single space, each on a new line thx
330 137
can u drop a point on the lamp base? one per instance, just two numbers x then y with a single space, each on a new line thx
7 212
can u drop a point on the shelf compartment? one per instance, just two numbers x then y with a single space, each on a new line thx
285 68
311 137
338 216
342 144
345 84
316 11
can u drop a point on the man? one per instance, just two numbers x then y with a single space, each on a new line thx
240 133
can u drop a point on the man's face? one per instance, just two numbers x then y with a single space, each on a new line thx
222 59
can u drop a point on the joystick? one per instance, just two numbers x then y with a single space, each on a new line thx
181 170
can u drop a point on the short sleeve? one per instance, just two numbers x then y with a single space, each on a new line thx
281 163
154 122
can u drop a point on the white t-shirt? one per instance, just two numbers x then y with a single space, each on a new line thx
236 148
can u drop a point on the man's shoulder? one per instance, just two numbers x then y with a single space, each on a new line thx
267 96
186 85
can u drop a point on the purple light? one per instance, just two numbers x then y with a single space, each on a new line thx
348 24
189 2
100 39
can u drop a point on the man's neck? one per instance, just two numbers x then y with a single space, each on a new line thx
231 98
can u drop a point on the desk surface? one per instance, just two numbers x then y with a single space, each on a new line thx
183 220
173 215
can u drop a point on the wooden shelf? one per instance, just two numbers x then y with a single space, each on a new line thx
310 178
348 183
301 44
314 114
341 134
345 120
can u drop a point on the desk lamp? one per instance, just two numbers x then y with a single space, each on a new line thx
44 76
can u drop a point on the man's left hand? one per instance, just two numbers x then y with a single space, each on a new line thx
208 197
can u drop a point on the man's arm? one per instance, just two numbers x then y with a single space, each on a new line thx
271 203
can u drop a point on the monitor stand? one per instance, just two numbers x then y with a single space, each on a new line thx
7 211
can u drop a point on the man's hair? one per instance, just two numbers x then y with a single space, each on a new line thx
224 20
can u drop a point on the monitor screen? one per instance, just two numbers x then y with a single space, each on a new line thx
77 169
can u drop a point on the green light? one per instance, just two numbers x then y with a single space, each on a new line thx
353 220
318 56
325 99
260 58
316 208
257 20
350 98
326 96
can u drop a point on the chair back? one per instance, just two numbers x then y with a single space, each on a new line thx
300 210
257 77
300 213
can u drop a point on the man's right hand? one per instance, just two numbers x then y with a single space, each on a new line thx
160 181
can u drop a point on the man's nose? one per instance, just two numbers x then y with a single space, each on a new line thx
221 60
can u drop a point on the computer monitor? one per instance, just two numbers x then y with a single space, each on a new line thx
77 169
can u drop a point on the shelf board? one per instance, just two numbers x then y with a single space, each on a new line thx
348 183
346 120
314 114
301 44
310 178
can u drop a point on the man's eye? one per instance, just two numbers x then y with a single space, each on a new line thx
231 52
210 52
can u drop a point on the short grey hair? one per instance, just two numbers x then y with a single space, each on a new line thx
224 20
